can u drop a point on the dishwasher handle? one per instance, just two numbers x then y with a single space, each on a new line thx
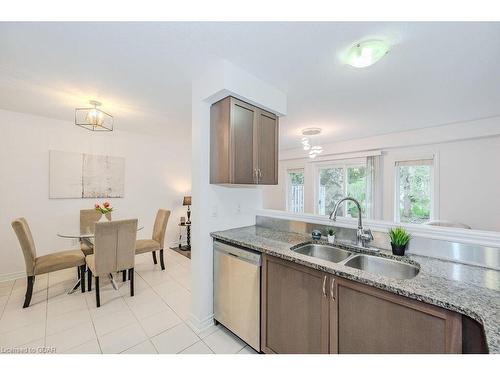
242 254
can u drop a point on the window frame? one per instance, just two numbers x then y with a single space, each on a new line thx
339 163
288 188
434 175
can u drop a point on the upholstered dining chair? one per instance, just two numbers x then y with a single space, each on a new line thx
114 251
38 265
88 218
156 242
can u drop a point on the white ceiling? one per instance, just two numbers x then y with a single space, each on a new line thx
436 73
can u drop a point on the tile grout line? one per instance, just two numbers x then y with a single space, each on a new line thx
46 312
142 342
149 338
116 329
161 298
197 342
8 299
92 322
175 312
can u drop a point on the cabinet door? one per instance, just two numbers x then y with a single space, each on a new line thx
294 308
369 320
267 148
243 119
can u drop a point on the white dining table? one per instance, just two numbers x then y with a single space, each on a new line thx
88 238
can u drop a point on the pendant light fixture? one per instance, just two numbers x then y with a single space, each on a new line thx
306 143
93 119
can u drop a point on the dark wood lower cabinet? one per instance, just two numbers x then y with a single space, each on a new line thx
295 316
369 320
308 311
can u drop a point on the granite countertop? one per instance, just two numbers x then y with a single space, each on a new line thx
469 290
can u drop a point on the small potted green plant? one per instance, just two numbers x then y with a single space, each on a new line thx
331 236
399 240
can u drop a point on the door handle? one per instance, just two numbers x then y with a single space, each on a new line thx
332 291
324 286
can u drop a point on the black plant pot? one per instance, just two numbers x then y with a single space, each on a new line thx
398 249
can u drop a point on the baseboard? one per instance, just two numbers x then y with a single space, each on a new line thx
12 276
200 326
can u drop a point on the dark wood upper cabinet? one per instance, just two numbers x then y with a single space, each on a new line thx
243 144
267 148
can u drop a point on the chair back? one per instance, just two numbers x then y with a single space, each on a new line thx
88 218
25 238
160 226
114 246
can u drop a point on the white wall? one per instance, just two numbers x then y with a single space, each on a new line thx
468 170
157 175
218 207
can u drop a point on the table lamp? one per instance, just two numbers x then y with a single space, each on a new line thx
187 202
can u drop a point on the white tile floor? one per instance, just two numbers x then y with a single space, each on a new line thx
153 321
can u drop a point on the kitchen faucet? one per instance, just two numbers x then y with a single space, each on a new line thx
363 236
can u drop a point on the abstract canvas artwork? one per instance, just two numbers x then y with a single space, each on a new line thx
77 175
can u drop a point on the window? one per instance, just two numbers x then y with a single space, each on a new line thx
339 181
414 191
295 200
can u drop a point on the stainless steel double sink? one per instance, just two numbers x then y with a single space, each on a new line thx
369 263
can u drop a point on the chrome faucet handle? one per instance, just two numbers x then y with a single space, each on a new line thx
368 233
316 235
366 236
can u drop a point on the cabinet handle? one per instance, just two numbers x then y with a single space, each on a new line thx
324 286
260 173
332 291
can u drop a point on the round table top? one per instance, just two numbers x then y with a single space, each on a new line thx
82 235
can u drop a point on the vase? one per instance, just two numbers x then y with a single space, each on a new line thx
331 239
103 219
399 249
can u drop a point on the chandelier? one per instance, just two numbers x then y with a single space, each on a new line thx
93 118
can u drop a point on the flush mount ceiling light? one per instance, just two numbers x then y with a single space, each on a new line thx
367 53
311 131
93 118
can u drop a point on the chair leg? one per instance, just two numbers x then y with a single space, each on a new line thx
124 275
82 277
97 296
131 278
89 276
78 272
162 262
29 291
154 258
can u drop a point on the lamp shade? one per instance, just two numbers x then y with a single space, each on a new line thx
187 201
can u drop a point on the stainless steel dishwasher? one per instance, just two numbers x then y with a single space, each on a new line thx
237 291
